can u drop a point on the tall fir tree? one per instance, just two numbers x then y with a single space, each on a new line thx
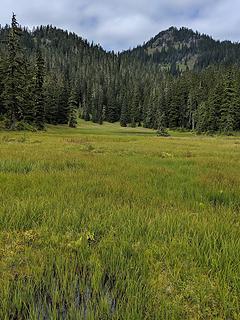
73 109
230 105
214 102
135 113
29 94
14 81
2 76
124 118
191 110
63 107
39 94
85 110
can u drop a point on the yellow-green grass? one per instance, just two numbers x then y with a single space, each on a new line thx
104 222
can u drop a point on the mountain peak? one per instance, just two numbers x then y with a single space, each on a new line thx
184 49
173 36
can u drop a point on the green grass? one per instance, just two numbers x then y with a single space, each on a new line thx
103 222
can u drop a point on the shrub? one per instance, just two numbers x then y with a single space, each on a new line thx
23 126
163 133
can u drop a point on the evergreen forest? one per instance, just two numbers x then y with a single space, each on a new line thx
51 76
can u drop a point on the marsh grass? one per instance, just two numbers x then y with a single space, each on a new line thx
104 222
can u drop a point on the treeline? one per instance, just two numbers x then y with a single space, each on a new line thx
23 95
208 101
21 85
51 76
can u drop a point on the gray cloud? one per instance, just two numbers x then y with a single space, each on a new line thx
122 24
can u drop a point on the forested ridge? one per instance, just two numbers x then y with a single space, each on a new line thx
183 49
178 80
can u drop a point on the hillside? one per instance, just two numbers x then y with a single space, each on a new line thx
187 49
146 86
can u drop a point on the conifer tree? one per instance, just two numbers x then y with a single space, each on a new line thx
85 110
94 103
63 107
230 105
174 106
52 92
99 105
161 125
214 103
135 108
14 81
202 118
149 110
73 109
2 108
161 121
124 118
29 94
191 110
39 95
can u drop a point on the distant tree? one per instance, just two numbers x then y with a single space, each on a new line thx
214 104
124 118
135 108
73 109
85 110
39 95
161 125
2 70
14 81
230 105
63 107
192 105
28 106
203 118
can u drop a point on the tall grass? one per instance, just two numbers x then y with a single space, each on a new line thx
104 222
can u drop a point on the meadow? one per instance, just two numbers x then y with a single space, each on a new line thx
104 222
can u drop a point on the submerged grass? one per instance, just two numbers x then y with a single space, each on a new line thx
104 222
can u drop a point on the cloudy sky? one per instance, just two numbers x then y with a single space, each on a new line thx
121 24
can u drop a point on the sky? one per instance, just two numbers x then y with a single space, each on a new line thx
123 24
